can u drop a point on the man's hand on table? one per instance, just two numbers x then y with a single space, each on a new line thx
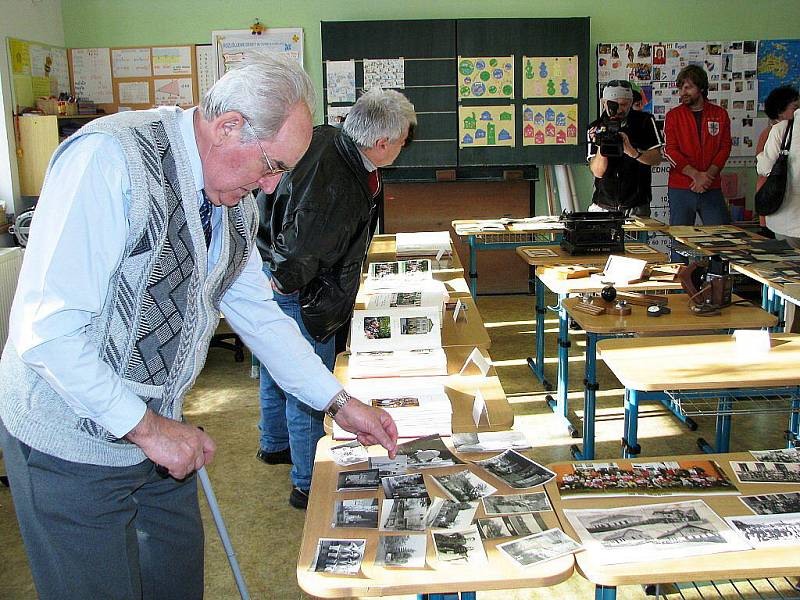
371 425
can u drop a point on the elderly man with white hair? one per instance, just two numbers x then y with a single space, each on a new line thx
623 144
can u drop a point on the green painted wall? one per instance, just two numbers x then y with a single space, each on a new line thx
92 23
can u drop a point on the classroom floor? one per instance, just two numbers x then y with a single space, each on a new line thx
265 530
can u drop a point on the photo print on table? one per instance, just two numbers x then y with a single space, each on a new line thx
427 453
342 557
516 470
492 528
512 504
401 402
358 512
388 467
782 455
402 551
773 504
446 514
766 531
490 441
464 486
348 454
383 270
415 325
377 328
539 547
363 479
404 514
459 547
404 486
766 472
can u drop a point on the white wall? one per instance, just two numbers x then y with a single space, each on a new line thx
36 21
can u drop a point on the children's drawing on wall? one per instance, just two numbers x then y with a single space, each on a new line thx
550 76
486 77
384 73
485 126
549 124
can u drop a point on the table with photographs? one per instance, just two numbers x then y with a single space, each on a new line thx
434 573
541 256
384 249
740 315
505 234
707 374
621 531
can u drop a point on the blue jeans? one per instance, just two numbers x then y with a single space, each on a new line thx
685 204
285 420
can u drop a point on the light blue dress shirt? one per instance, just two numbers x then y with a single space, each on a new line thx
76 243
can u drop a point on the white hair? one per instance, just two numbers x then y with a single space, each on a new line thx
379 114
263 91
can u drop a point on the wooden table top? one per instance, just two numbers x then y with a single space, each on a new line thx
591 284
459 388
559 256
467 226
681 318
384 249
499 573
752 272
700 362
686 232
750 564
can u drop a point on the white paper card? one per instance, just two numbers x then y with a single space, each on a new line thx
457 310
440 254
752 341
479 408
479 360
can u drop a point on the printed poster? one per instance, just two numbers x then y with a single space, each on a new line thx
134 92
549 124
485 126
384 73
172 92
486 77
131 62
172 61
549 76
341 80
231 46
91 69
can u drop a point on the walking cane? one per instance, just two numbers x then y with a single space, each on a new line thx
223 532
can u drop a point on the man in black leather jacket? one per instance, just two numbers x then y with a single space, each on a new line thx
313 237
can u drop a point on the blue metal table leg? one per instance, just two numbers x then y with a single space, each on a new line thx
723 431
765 297
605 592
473 267
561 405
630 447
536 363
794 418
589 400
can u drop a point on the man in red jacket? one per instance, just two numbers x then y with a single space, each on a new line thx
697 144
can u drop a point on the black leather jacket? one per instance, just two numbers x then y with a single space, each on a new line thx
315 229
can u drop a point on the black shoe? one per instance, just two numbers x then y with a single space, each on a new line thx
299 498
281 457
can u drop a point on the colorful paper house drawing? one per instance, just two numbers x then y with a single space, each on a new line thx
528 131
572 131
480 134
549 115
467 139
561 119
561 137
486 116
470 122
550 130
503 135
527 114
505 116
539 137
539 119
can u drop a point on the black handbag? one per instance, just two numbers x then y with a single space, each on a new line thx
770 197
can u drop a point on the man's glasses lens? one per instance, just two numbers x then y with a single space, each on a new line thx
270 168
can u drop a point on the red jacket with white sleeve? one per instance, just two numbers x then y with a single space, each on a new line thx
683 147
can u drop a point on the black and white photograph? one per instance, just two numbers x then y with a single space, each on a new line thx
406 299
401 402
446 514
782 455
512 504
459 547
404 486
493 528
464 486
358 512
342 557
416 265
415 325
406 514
766 472
389 466
427 453
348 454
402 551
773 504
653 532
490 441
539 547
384 270
516 470
363 479
765 531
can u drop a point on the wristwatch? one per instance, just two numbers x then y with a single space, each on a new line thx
339 400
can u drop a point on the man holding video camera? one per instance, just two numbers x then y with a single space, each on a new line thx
623 145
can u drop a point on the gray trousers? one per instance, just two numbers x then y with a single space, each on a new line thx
105 532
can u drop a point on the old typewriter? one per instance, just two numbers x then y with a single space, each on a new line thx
593 232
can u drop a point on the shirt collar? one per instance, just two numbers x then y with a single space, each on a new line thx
186 127
368 165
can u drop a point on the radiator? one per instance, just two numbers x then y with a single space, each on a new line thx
10 263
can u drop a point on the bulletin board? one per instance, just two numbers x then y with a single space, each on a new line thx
36 70
135 77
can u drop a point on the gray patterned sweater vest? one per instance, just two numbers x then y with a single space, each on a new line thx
162 305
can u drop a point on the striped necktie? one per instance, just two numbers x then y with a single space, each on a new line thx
205 217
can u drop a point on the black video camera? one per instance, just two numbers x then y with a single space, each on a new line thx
608 139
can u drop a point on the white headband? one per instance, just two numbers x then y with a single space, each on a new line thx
617 92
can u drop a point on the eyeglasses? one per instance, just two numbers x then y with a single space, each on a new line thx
269 168
619 83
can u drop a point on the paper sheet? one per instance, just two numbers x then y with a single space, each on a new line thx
384 73
550 76
548 124
131 62
172 92
91 69
486 77
341 80
134 92
172 61
486 126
